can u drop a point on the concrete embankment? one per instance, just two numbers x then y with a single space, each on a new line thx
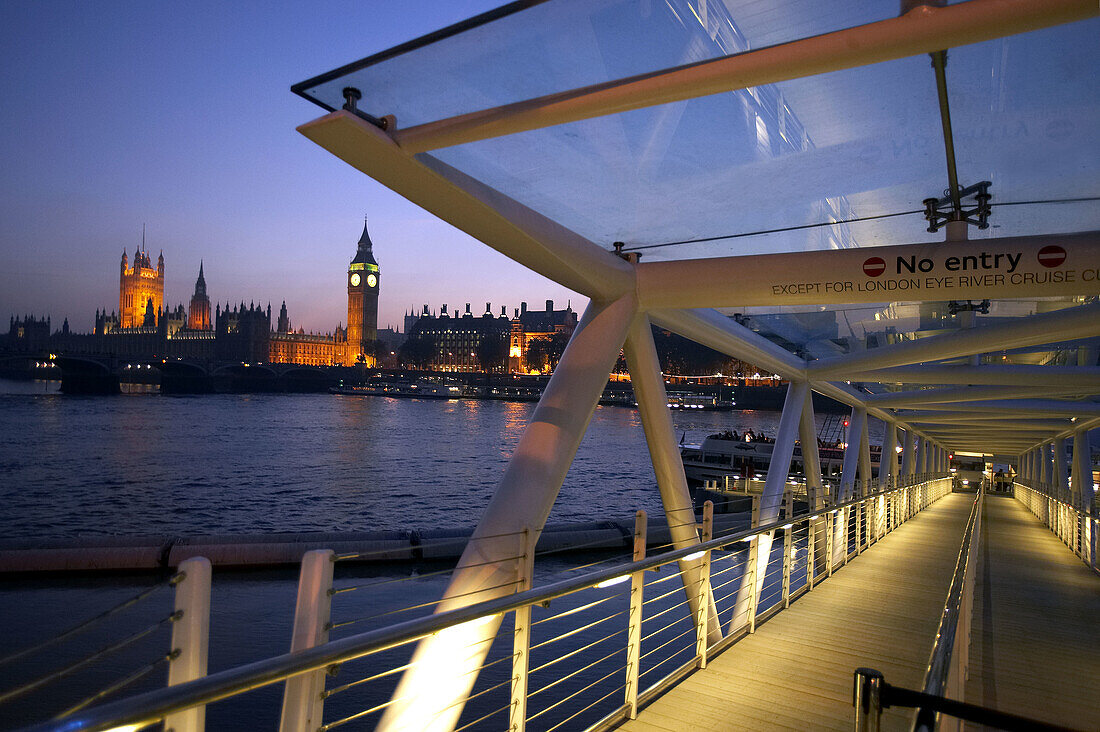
136 553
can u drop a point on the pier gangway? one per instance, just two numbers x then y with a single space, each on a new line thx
800 604
760 178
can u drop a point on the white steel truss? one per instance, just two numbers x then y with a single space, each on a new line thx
1013 412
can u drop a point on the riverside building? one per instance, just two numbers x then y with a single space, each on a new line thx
144 328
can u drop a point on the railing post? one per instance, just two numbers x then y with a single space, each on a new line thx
830 523
634 627
888 509
846 517
788 499
754 549
521 639
190 638
867 699
303 697
811 549
702 611
859 526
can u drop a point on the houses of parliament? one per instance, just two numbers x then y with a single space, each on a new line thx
143 327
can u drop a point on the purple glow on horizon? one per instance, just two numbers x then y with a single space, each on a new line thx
181 118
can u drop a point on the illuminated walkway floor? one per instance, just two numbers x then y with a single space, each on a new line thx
882 611
1035 641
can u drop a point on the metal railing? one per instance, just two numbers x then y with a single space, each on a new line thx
1075 525
947 666
65 653
627 646
872 694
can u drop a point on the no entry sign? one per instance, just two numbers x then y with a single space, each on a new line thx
875 266
1049 256
1008 267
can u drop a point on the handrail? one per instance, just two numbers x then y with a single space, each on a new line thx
144 709
939 664
872 694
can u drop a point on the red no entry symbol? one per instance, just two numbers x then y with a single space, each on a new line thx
875 266
1052 256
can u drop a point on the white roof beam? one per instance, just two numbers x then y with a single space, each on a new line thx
969 394
922 30
927 419
484 213
1022 407
717 331
714 330
1076 322
1087 377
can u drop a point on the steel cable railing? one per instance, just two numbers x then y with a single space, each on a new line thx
122 683
724 556
1073 519
93 621
123 660
71 668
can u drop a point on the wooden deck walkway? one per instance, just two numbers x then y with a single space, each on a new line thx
1035 639
882 611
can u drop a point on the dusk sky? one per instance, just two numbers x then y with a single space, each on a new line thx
180 117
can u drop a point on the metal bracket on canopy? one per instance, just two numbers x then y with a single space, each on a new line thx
955 307
351 99
939 211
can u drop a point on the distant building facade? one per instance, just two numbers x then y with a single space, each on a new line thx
533 325
140 289
144 328
288 346
198 315
461 342
363 287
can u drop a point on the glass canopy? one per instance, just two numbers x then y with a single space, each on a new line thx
835 147
832 161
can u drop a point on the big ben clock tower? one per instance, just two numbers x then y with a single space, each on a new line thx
362 301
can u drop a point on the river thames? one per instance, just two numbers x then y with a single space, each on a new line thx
255 463
224 464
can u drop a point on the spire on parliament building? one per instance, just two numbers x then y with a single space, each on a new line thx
365 254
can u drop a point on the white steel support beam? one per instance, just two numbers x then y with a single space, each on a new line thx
1044 407
649 388
514 230
1082 489
723 334
922 30
1082 321
857 426
970 394
774 487
1061 477
811 458
714 330
960 420
1047 449
888 457
1023 434
864 455
1049 408
1087 378
432 693
908 453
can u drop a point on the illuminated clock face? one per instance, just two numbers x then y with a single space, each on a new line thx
354 279
371 280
